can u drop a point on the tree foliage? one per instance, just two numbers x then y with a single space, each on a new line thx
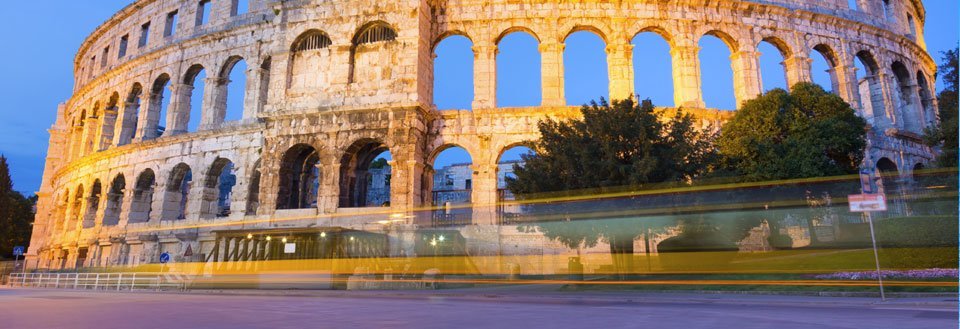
16 214
944 134
806 132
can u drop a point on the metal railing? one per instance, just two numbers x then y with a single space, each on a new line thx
99 281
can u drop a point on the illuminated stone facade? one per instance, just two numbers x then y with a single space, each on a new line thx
332 83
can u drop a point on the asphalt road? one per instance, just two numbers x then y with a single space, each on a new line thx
26 308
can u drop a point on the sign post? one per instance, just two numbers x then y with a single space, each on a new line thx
871 199
17 252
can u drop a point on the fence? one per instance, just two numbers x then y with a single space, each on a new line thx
99 281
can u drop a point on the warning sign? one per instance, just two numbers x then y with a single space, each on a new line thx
867 202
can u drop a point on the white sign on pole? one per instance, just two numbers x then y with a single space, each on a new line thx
290 248
867 202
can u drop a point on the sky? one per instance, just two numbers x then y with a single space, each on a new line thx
38 64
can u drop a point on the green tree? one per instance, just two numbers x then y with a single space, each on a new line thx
622 144
16 214
806 132
944 134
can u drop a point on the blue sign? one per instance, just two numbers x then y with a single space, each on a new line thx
18 251
164 258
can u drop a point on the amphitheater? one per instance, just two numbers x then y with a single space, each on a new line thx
333 84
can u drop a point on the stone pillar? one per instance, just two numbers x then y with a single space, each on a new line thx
89 135
686 77
150 119
484 193
620 69
256 92
405 183
126 124
105 138
328 194
885 93
180 107
551 74
848 86
215 101
747 83
797 69
484 76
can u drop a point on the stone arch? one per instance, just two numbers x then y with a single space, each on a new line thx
448 34
369 34
176 193
130 116
263 94
76 209
107 127
93 204
720 76
157 111
299 178
141 206
586 28
312 39
870 90
584 63
650 81
829 55
227 108
356 177
516 74
926 100
253 190
189 113
665 34
514 29
113 209
63 210
727 39
218 184
911 117
771 80
453 70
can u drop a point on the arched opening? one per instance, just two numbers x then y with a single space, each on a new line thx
63 210
452 185
773 72
311 66
585 75
93 205
253 191
888 170
716 73
76 209
373 45
159 104
111 213
108 123
903 98
453 73
926 100
299 178
518 70
177 193
868 86
131 115
217 189
365 175
142 204
510 158
823 68
195 81
234 76
264 92
653 68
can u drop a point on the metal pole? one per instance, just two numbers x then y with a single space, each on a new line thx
876 256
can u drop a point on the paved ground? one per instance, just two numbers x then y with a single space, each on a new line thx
33 308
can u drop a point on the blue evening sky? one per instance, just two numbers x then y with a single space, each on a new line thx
38 65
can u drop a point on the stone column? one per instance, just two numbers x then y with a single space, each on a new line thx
885 93
105 140
180 107
215 102
150 119
848 86
328 195
747 83
484 76
484 193
551 74
256 92
686 76
797 69
89 135
405 184
620 69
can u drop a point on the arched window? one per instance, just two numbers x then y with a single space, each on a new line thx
870 91
585 75
141 206
253 190
903 98
653 68
451 186
111 213
234 92
130 116
511 157
76 211
375 33
823 68
311 40
159 102
453 73
773 73
365 175
716 73
518 70
926 100
366 60
177 193
299 178
192 105
217 189
93 205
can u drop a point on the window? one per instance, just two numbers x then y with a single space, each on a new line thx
376 33
122 50
311 40
913 26
203 12
171 28
103 59
239 7
144 34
